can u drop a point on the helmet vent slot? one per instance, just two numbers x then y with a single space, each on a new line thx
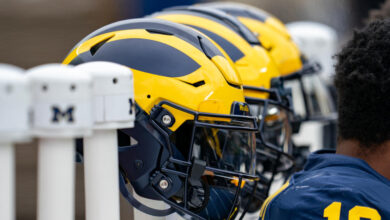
235 86
200 83
97 46
196 84
157 31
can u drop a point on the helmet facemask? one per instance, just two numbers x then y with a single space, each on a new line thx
206 156
274 146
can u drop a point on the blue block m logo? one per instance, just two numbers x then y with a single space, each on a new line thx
59 115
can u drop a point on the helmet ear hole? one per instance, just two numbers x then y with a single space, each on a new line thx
148 96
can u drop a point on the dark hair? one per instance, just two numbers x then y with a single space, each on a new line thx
363 84
382 13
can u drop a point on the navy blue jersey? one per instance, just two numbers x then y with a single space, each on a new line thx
331 187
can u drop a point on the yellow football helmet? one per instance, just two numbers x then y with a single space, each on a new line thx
299 73
295 67
264 93
193 131
270 31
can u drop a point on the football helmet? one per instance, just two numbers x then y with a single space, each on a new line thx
274 36
193 134
299 74
264 91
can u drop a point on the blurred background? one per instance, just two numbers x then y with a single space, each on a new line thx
34 32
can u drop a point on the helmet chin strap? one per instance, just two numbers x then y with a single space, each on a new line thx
136 204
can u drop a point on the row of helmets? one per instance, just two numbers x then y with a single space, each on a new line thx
214 115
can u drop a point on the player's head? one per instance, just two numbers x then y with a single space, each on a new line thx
363 84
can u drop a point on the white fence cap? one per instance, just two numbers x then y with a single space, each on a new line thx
62 101
318 42
113 94
15 102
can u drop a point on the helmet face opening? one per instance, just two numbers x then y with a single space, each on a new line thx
221 148
274 125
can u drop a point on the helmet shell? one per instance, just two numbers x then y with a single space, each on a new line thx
167 65
271 32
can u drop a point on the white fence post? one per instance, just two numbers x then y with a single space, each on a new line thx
61 112
113 105
14 127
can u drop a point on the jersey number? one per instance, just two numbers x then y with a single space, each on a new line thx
333 212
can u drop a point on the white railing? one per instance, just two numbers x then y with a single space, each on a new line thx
56 104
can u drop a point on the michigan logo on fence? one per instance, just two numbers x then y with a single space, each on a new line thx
59 115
